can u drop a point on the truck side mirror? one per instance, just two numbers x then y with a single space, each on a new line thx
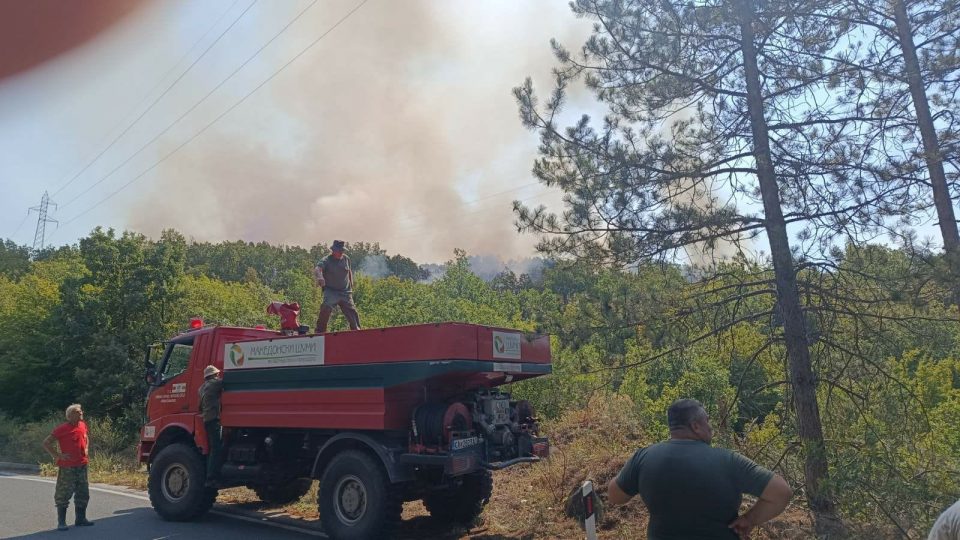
147 363
150 369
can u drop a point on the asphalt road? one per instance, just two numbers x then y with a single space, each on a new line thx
27 511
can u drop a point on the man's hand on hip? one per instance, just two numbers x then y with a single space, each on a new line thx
743 526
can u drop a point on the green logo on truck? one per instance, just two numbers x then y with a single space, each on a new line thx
506 345
236 356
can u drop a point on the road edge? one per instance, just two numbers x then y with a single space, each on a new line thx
19 467
276 519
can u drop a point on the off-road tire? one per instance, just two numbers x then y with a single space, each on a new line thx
461 505
283 493
176 484
349 473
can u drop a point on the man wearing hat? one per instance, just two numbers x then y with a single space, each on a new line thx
210 392
694 490
334 275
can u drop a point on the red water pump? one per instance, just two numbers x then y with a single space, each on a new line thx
289 323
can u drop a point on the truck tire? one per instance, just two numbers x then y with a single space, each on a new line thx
176 484
283 493
356 499
463 504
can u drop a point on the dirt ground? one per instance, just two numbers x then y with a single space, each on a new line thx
506 519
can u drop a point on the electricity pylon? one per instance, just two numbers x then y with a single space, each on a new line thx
40 236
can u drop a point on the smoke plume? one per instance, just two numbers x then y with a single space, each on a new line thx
374 266
398 128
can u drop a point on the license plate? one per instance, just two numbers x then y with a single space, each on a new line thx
460 444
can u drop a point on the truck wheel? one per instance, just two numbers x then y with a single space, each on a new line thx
461 505
356 499
176 483
283 493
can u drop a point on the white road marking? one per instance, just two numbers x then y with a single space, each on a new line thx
263 521
92 488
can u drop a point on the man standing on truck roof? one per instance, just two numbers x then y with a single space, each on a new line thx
71 437
334 275
692 489
210 392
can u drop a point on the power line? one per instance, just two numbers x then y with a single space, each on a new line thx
182 116
227 111
504 192
410 232
334 215
24 220
148 109
144 99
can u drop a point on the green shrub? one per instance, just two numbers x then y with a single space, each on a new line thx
23 442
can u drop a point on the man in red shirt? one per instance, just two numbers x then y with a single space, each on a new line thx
71 437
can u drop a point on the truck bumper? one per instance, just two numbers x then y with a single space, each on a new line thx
469 460
452 464
143 451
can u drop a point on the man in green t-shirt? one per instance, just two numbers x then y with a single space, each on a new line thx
334 274
211 392
693 490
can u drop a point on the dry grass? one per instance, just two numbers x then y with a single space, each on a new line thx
587 444
108 469
528 501
590 444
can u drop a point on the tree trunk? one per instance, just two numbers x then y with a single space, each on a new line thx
802 381
931 146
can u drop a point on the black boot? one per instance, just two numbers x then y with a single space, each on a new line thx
62 518
82 517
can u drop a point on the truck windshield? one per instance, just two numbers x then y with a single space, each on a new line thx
175 359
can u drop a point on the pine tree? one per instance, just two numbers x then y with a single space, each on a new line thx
725 124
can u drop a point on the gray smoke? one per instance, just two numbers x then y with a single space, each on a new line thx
704 196
374 266
396 129
488 267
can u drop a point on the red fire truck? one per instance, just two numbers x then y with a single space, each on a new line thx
378 416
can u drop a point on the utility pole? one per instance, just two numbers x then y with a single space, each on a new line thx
40 236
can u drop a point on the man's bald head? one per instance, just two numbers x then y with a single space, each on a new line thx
687 419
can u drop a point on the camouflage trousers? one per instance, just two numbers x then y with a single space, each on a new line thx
72 482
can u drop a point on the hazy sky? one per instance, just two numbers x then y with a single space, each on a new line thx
398 127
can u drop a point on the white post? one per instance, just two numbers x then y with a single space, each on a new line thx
589 514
